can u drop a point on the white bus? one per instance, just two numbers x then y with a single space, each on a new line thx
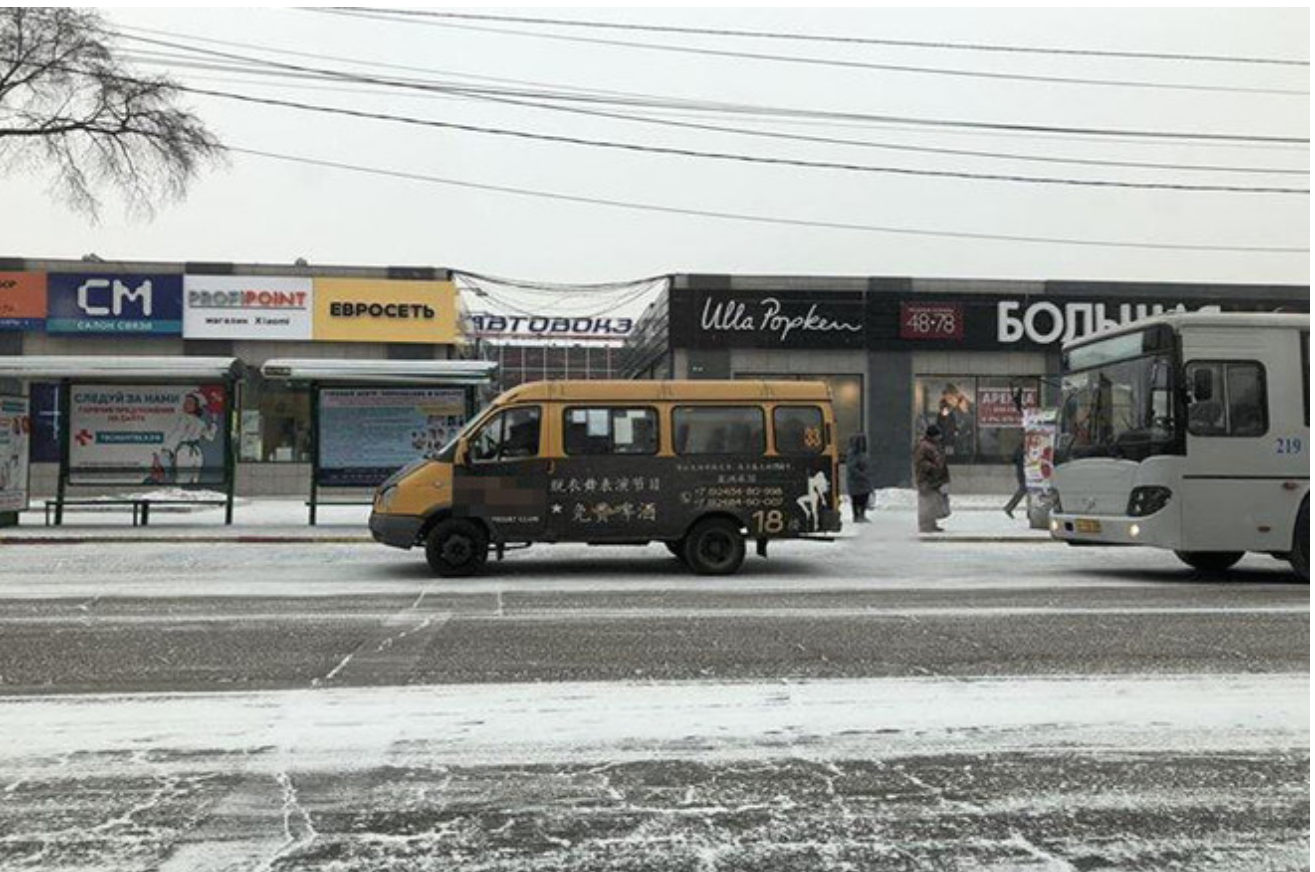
1189 432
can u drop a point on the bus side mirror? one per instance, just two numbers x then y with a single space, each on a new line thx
462 456
1203 385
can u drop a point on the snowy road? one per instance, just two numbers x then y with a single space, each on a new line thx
879 703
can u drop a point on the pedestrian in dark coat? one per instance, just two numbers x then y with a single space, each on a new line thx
1020 473
858 476
932 475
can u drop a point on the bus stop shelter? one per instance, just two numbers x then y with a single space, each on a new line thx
371 417
129 422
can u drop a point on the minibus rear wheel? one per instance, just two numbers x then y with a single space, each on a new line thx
715 546
456 548
1209 561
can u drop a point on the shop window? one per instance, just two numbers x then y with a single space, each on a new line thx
980 418
43 406
274 423
610 431
798 429
719 430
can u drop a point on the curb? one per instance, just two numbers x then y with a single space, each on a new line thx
932 537
209 540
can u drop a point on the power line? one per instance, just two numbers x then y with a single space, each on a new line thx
457 92
1196 137
672 151
830 62
840 40
763 219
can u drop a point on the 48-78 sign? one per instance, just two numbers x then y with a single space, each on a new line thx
930 321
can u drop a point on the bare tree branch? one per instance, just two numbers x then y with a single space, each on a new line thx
70 108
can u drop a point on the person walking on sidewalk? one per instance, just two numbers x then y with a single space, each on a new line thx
1020 473
858 478
932 476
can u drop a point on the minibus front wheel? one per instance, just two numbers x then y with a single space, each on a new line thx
715 546
456 548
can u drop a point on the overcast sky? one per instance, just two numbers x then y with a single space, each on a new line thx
260 210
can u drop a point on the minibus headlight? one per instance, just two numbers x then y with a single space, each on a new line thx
1147 500
386 497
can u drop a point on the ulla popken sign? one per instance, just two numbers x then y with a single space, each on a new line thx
788 319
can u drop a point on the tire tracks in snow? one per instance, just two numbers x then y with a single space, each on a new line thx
262 820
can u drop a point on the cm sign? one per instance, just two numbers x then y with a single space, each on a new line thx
130 303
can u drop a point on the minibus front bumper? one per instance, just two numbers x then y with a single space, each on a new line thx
399 531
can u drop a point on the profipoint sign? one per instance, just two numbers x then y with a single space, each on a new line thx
247 307
367 310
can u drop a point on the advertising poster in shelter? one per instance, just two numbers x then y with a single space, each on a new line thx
367 434
15 437
147 434
1039 428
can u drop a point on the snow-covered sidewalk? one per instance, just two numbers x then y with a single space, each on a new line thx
976 517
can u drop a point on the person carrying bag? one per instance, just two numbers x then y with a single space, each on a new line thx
932 475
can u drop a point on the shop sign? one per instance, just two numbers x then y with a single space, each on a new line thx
490 325
247 307
998 407
993 322
931 321
367 310
785 319
122 304
368 434
147 434
15 437
22 300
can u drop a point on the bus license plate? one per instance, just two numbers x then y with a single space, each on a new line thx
1087 525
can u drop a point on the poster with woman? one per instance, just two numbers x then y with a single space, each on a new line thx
147 434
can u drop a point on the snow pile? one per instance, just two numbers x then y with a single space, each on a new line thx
899 499
864 718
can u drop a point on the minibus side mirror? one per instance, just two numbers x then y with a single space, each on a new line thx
462 456
1203 385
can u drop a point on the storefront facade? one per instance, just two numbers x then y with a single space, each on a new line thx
900 353
252 312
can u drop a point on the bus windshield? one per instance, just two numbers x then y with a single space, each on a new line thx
1121 409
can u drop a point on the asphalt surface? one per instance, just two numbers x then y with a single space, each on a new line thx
96 636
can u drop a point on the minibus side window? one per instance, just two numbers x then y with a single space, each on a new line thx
798 429
510 435
607 430
1227 398
719 429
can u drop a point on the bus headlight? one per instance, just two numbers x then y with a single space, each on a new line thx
1134 530
386 498
1147 500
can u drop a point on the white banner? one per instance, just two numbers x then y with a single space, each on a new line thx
15 435
147 434
247 307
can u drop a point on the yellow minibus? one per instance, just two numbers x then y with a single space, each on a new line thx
701 466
